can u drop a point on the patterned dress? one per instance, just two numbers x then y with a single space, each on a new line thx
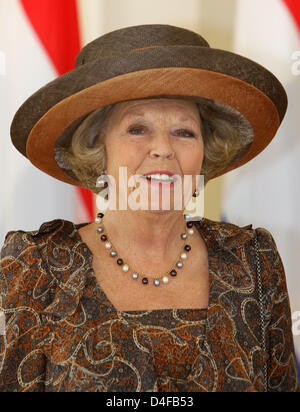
63 334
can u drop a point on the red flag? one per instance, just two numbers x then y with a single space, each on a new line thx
294 7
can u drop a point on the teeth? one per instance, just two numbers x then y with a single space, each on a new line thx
161 177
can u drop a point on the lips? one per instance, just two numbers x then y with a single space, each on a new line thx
161 172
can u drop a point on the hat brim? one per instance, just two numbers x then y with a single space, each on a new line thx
184 71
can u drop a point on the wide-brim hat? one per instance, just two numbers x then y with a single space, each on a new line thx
141 62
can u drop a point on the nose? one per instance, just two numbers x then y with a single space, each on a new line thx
162 148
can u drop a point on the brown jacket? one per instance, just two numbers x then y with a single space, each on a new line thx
64 335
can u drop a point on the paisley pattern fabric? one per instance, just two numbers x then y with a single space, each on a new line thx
64 335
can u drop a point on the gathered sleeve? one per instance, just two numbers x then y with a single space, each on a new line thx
282 365
22 363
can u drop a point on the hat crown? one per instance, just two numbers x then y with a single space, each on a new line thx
130 39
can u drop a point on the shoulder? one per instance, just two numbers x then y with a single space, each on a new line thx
20 243
232 235
249 245
225 235
23 249
24 264
19 239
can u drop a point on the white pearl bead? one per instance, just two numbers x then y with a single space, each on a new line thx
165 279
191 231
125 268
97 220
108 245
183 256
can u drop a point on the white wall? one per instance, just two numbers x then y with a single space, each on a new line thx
102 16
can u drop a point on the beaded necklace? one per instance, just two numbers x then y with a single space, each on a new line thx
164 279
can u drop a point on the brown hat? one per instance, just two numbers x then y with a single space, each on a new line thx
148 61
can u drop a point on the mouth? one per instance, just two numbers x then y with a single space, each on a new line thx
162 177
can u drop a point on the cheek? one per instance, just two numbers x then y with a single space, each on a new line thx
191 158
121 153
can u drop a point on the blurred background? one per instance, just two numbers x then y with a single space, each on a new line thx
39 40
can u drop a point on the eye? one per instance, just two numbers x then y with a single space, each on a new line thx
136 129
185 131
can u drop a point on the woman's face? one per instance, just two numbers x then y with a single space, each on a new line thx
153 135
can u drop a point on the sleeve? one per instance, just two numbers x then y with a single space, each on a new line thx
282 365
22 365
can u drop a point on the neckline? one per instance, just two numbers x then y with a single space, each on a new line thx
135 313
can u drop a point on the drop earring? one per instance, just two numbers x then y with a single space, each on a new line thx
102 180
196 193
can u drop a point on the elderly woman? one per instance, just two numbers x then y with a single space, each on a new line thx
144 299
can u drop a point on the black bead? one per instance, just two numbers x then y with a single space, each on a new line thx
173 272
103 238
190 224
145 281
100 215
120 262
187 248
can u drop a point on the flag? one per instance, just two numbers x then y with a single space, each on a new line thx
265 191
39 40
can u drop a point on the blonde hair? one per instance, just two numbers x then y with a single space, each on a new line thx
226 134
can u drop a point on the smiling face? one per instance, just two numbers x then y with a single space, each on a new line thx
152 135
